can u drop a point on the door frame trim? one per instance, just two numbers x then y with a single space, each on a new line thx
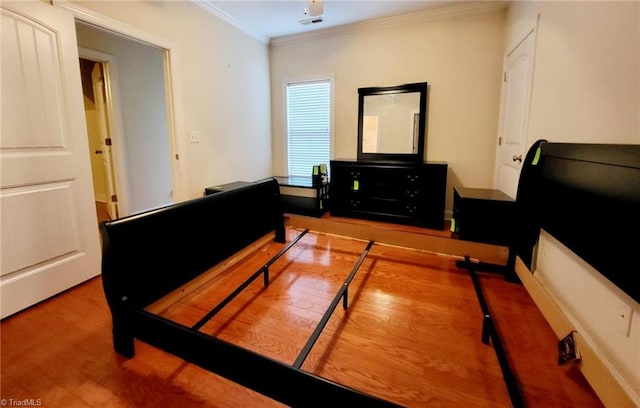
173 89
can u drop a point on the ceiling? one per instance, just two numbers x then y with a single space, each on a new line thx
267 19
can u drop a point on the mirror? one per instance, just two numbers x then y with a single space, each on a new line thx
392 122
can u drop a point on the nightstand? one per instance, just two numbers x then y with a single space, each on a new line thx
300 196
482 215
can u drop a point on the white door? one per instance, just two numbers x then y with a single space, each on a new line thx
49 238
514 116
98 81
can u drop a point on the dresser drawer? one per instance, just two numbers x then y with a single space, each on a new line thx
401 193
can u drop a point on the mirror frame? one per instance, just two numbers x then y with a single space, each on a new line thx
418 87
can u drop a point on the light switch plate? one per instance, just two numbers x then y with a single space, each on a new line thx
194 136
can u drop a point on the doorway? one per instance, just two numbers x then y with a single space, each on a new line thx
139 128
97 110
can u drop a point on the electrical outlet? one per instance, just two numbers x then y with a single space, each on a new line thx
623 318
194 136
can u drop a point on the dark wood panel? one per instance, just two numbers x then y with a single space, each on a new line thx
588 197
412 194
483 215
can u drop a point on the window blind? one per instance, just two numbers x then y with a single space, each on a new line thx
308 125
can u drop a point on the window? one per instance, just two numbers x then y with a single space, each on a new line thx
308 125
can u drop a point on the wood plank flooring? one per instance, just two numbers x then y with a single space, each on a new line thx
411 334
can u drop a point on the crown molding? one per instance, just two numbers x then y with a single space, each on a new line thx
466 8
113 26
209 7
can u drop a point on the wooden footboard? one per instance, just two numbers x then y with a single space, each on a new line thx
148 255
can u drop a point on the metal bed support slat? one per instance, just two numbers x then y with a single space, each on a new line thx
262 271
342 293
276 380
490 335
279 254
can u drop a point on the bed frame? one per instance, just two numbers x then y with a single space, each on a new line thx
149 255
164 251
161 252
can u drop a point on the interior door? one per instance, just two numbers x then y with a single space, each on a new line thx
49 231
516 95
98 81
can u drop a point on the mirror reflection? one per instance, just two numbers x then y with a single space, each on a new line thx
390 123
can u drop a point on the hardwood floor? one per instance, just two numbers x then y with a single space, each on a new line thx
411 334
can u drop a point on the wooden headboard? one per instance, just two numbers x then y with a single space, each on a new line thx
587 196
147 255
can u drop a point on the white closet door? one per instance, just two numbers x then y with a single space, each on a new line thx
48 219
516 97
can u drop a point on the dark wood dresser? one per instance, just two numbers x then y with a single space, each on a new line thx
403 193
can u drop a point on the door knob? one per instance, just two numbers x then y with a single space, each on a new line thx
517 158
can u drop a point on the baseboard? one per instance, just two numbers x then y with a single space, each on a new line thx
593 365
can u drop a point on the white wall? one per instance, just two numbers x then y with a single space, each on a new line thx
460 57
224 81
587 72
145 140
586 89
